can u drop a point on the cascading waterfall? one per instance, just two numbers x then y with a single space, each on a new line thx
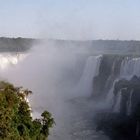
10 59
112 73
85 85
129 68
118 103
129 103
110 96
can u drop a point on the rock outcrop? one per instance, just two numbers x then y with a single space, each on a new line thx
125 124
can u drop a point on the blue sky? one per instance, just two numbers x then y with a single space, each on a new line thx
71 19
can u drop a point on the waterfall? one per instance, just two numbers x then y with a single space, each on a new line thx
118 103
129 103
130 67
110 96
85 84
10 59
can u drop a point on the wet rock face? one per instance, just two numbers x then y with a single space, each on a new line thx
123 125
130 94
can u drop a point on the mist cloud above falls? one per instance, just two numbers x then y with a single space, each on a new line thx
50 72
59 76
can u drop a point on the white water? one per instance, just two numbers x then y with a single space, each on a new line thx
109 101
85 84
7 60
129 105
118 102
49 77
50 73
129 68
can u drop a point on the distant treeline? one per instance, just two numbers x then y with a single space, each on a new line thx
24 44
15 44
100 43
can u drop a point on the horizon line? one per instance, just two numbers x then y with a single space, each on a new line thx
60 39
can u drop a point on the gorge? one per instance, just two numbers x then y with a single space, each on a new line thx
87 86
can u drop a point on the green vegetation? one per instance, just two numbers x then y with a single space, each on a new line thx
16 122
15 44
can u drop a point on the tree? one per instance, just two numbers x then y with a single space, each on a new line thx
15 116
47 122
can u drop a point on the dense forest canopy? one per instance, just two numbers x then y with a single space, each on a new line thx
16 122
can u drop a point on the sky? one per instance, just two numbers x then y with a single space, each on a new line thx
71 19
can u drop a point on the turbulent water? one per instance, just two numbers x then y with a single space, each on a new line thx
62 82
8 59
